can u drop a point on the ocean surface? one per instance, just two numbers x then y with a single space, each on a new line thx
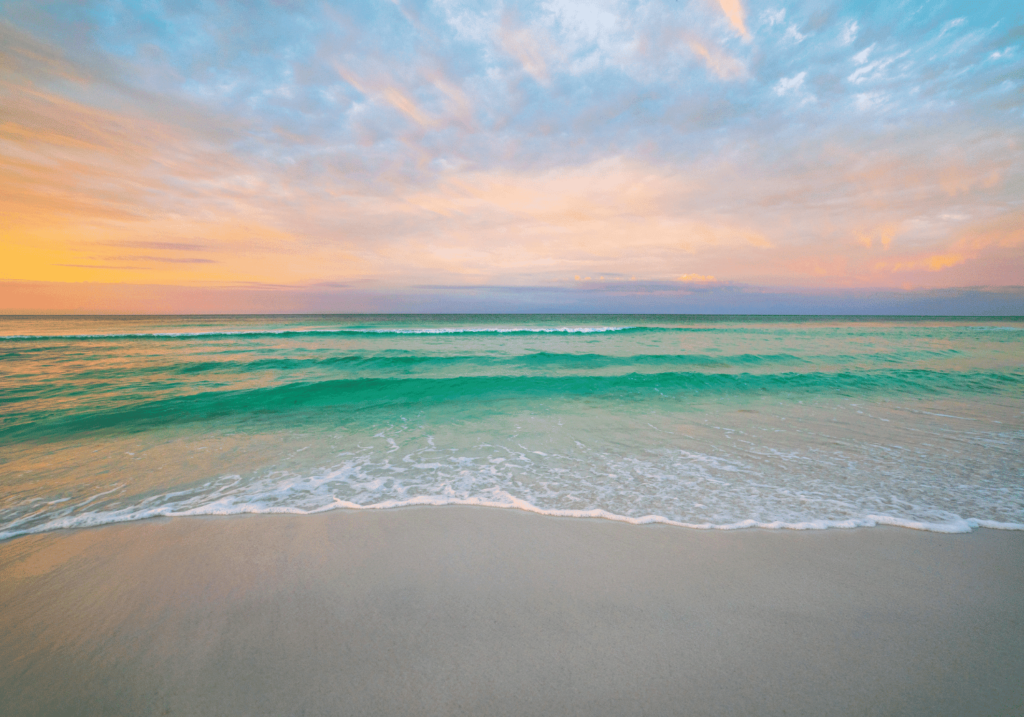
700 421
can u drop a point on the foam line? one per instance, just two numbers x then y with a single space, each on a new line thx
364 332
227 508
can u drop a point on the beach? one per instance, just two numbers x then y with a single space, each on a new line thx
469 610
486 358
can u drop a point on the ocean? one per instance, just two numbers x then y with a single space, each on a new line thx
698 421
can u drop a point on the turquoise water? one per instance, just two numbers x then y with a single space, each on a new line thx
700 421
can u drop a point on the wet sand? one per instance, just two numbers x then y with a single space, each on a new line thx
476 611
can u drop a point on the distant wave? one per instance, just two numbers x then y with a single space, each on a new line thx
370 393
543 359
350 331
538 360
396 360
369 332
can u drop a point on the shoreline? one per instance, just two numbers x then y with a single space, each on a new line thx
959 526
456 610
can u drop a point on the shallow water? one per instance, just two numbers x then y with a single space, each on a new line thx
701 421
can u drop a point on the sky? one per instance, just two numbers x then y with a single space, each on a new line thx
378 155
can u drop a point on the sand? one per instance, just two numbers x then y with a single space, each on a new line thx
476 611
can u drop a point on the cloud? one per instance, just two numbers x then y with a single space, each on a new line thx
166 259
788 85
861 57
792 33
28 297
165 245
849 33
29 59
526 46
406 106
772 17
956 22
794 86
452 143
734 10
872 70
720 63
866 101
934 262
884 235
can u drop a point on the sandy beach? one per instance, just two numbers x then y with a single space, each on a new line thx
447 611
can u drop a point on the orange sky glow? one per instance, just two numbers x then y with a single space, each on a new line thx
421 149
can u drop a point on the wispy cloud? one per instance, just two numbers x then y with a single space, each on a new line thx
725 66
164 245
789 85
737 14
849 32
451 143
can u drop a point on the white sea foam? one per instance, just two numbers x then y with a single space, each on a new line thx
228 508
283 332
825 470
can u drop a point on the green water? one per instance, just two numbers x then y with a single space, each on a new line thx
708 421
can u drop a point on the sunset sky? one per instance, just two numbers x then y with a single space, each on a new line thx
662 155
